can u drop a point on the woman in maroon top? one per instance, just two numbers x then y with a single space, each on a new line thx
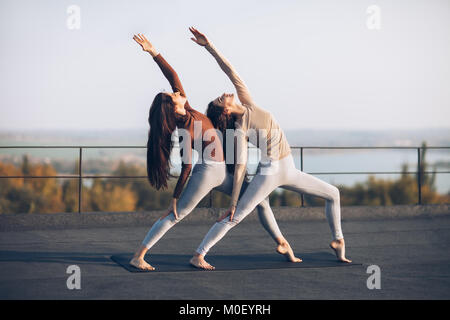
168 112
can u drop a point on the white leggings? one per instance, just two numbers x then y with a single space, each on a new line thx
207 176
269 176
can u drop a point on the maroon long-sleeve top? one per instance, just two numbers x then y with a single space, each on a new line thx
187 122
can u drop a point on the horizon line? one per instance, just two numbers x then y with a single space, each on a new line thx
3 130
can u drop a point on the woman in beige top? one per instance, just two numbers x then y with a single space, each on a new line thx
276 168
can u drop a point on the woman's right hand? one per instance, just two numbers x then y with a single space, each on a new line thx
145 44
200 38
229 213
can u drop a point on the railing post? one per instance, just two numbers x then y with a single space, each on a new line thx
80 179
301 169
419 177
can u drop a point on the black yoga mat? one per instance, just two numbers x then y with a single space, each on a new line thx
177 263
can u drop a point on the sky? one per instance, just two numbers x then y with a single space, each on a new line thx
317 64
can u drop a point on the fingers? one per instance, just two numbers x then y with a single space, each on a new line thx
169 212
135 37
140 38
222 217
199 33
195 32
164 215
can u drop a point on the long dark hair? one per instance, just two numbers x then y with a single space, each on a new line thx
222 121
162 123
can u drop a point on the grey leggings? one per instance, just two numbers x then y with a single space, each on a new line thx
205 177
269 176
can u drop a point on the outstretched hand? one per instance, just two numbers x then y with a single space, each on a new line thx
145 44
199 37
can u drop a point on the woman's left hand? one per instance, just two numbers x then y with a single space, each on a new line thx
172 209
200 38
145 44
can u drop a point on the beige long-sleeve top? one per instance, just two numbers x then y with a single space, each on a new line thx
256 125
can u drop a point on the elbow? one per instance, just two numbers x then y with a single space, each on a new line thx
240 168
187 168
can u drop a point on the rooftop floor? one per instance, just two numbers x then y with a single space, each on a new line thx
412 253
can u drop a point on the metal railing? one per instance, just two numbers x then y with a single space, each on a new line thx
80 176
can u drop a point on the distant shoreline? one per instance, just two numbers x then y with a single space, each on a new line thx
296 137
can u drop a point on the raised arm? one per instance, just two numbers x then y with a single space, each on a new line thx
175 83
225 65
166 69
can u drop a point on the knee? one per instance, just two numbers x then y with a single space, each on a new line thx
335 194
174 220
182 212
230 224
263 205
179 217
235 221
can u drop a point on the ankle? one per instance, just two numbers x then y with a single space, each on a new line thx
282 242
140 254
198 256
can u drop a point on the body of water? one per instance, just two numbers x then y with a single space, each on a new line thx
314 161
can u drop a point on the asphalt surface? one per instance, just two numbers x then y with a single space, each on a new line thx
413 256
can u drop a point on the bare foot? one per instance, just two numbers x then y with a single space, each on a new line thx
339 249
286 250
199 262
141 264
